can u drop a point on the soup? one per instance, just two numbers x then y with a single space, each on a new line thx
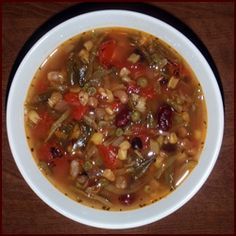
115 119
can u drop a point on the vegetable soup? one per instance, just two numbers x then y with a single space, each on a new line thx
115 119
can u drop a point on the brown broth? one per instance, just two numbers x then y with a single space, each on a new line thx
188 88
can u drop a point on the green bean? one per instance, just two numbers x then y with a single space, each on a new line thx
142 82
57 124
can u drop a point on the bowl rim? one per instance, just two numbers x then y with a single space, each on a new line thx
124 225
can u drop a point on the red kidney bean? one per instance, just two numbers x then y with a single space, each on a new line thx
123 117
127 199
164 117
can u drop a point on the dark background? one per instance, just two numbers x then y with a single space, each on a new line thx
211 27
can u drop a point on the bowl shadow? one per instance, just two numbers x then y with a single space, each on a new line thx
145 8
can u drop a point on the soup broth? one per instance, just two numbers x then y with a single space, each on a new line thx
115 119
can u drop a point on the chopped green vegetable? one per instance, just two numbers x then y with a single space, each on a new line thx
86 132
103 182
92 57
167 163
142 82
142 165
169 180
87 166
91 91
119 132
57 124
151 123
96 197
135 116
76 72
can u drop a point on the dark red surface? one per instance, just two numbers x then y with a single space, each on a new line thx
211 210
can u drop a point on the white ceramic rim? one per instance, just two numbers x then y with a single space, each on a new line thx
21 153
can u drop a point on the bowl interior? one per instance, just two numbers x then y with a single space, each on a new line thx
22 155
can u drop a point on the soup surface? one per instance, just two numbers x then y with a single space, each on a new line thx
115 119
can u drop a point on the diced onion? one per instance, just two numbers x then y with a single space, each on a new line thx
133 58
173 82
34 116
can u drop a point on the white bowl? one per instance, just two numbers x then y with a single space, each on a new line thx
22 155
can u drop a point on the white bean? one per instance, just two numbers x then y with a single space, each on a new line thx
93 102
55 76
84 56
54 99
122 95
121 182
88 45
124 72
83 98
141 104
74 168
107 94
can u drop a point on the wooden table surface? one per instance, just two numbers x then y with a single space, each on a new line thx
211 210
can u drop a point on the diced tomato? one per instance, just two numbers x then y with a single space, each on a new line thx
71 98
109 155
115 106
78 112
41 129
53 154
149 93
106 52
114 52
